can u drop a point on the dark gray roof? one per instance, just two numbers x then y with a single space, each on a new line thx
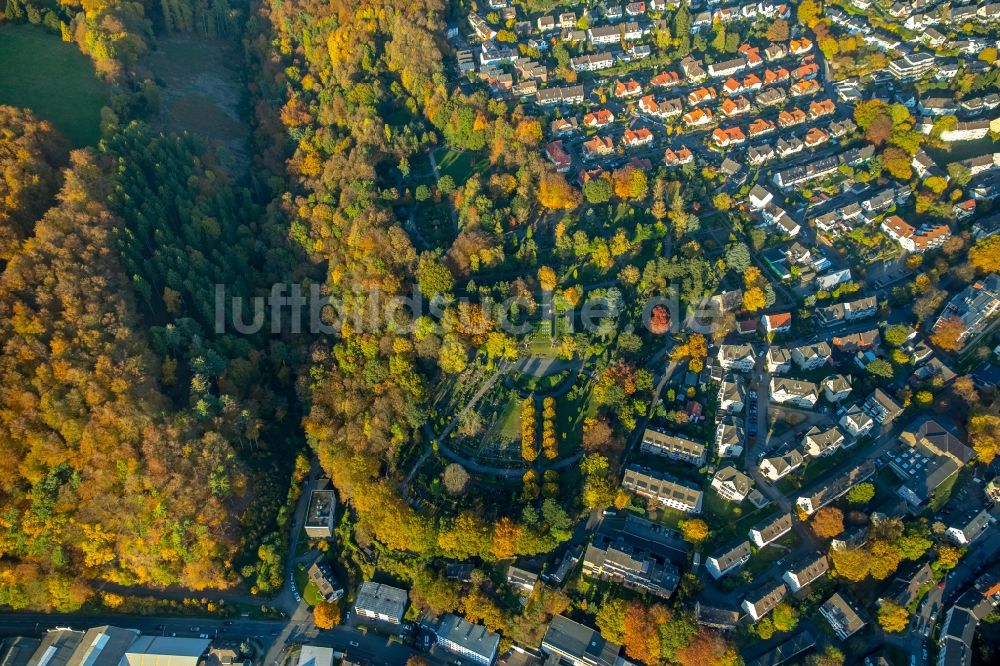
566 637
473 637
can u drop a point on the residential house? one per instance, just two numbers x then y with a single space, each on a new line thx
626 89
777 467
821 108
574 644
762 601
815 137
738 358
772 97
693 70
732 484
779 322
820 442
725 138
676 158
321 575
882 407
973 306
770 530
715 617
702 95
636 555
779 360
729 437
726 67
381 602
560 95
969 526
639 137
591 62
760 155
598 146
800 46
697 117
849 311
824 493
841 616
558 156
469 641
735 106
732 394
664 489
805 571
797 392
760 127
672 446
728 559
856 423
666 80
521 580
836 388
810 357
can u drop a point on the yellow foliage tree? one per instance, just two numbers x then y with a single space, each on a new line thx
892 617
326 615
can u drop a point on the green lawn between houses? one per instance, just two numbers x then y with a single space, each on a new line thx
52 78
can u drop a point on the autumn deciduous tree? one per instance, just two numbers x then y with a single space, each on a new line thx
641 638
546 278
985 254
861 493
852 564
326 615
659 320
555 193
885 559
611 620
694 530
754 299
947 558
892 617
828 522
984 435
948 334
455 479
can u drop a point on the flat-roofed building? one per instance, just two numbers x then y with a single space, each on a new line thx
315 655
322 505
841 616
381 602
165 651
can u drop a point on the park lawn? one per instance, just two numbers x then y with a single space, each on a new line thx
570 415
53 79
510 419
459 163
311 594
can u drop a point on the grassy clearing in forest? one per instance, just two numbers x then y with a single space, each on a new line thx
52 78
